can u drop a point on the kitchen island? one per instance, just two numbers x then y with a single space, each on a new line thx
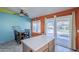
41 43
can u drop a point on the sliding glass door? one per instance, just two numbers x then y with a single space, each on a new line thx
64 31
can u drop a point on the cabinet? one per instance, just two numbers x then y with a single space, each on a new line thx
43 49
26 48
46 50
49 47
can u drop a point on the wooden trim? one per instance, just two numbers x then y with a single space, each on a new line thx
42 26
73 31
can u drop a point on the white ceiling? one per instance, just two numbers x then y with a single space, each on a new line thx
38 11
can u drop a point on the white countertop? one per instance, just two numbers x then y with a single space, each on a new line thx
37 42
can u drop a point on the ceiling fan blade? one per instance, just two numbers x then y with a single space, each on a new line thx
22 13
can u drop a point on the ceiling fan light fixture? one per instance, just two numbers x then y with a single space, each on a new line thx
22 13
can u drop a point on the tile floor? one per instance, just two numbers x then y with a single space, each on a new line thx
62 49
10 47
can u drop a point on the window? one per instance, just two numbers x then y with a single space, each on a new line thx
49 27
37 26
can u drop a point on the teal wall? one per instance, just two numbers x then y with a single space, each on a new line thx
9 20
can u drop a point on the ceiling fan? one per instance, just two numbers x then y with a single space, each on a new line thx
22 13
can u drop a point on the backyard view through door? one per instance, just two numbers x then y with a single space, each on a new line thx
49 27
64 31
60 29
